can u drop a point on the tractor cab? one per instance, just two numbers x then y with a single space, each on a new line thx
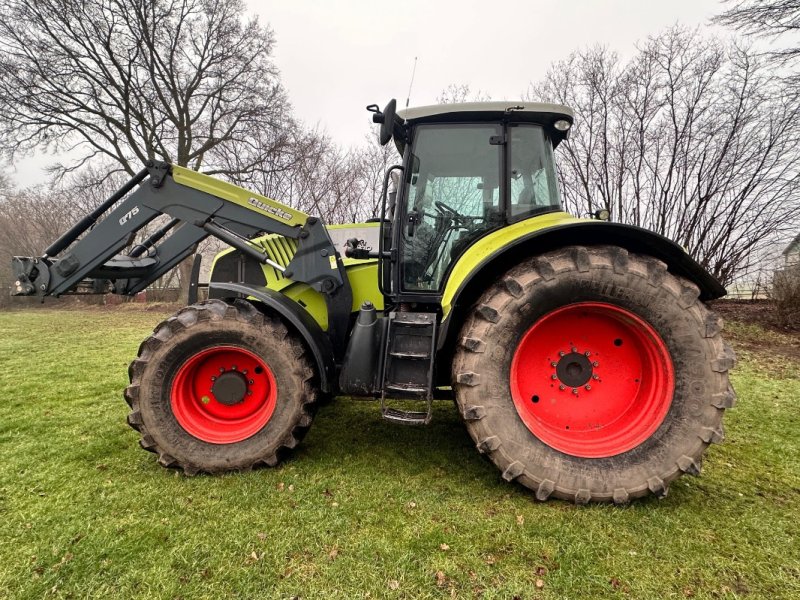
468 169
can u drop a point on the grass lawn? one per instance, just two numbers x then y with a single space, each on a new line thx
365 509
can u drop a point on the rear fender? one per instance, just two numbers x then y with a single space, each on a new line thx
295 317
460 296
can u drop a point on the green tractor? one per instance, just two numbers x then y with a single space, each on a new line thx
579 352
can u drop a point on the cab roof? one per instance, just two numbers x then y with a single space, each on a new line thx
537 112
508 110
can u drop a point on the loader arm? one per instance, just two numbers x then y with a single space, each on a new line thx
199 206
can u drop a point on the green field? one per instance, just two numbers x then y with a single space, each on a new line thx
365 509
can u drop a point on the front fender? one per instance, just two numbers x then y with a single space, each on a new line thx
297 319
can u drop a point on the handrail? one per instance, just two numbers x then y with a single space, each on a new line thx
381 254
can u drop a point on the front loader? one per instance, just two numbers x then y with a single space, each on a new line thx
579 352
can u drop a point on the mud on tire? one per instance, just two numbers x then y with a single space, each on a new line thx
201 328
604 275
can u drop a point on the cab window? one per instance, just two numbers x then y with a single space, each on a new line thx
532 179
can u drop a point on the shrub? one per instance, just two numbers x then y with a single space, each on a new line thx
785 297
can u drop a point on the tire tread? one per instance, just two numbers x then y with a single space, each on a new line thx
215 311
472 385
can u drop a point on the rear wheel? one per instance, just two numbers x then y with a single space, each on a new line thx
220 387
591 374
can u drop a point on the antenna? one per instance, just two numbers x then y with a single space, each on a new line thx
413 72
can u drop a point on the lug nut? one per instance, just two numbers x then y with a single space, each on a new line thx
562 353
250 382
221 370
562 387
554 376
233 367
213 378
553 364
574 349
595 376
249 392
595 364
587 387
575 391
587 353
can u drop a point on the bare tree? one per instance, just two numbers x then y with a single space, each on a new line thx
691 138
187 81
316 176
774 20
136 80
6 188
461 93
372 161
29 220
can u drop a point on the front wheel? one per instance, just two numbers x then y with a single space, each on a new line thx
221 387
592 374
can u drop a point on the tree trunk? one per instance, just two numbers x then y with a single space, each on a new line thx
185 269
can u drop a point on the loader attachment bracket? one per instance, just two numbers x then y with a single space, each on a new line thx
31 276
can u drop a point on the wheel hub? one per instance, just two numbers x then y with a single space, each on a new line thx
574 370
230 388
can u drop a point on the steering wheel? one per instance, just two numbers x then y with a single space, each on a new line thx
458 219
446 209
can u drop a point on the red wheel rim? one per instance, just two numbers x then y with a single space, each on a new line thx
592 380
223 395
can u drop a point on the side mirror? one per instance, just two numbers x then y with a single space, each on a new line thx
385 118
387 125
377 115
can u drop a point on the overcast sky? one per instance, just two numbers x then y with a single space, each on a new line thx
337 57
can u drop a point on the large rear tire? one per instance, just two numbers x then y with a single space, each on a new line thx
221 387
592 374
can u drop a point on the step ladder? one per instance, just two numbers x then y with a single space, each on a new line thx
409 352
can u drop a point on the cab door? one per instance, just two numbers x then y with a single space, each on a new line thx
452 194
